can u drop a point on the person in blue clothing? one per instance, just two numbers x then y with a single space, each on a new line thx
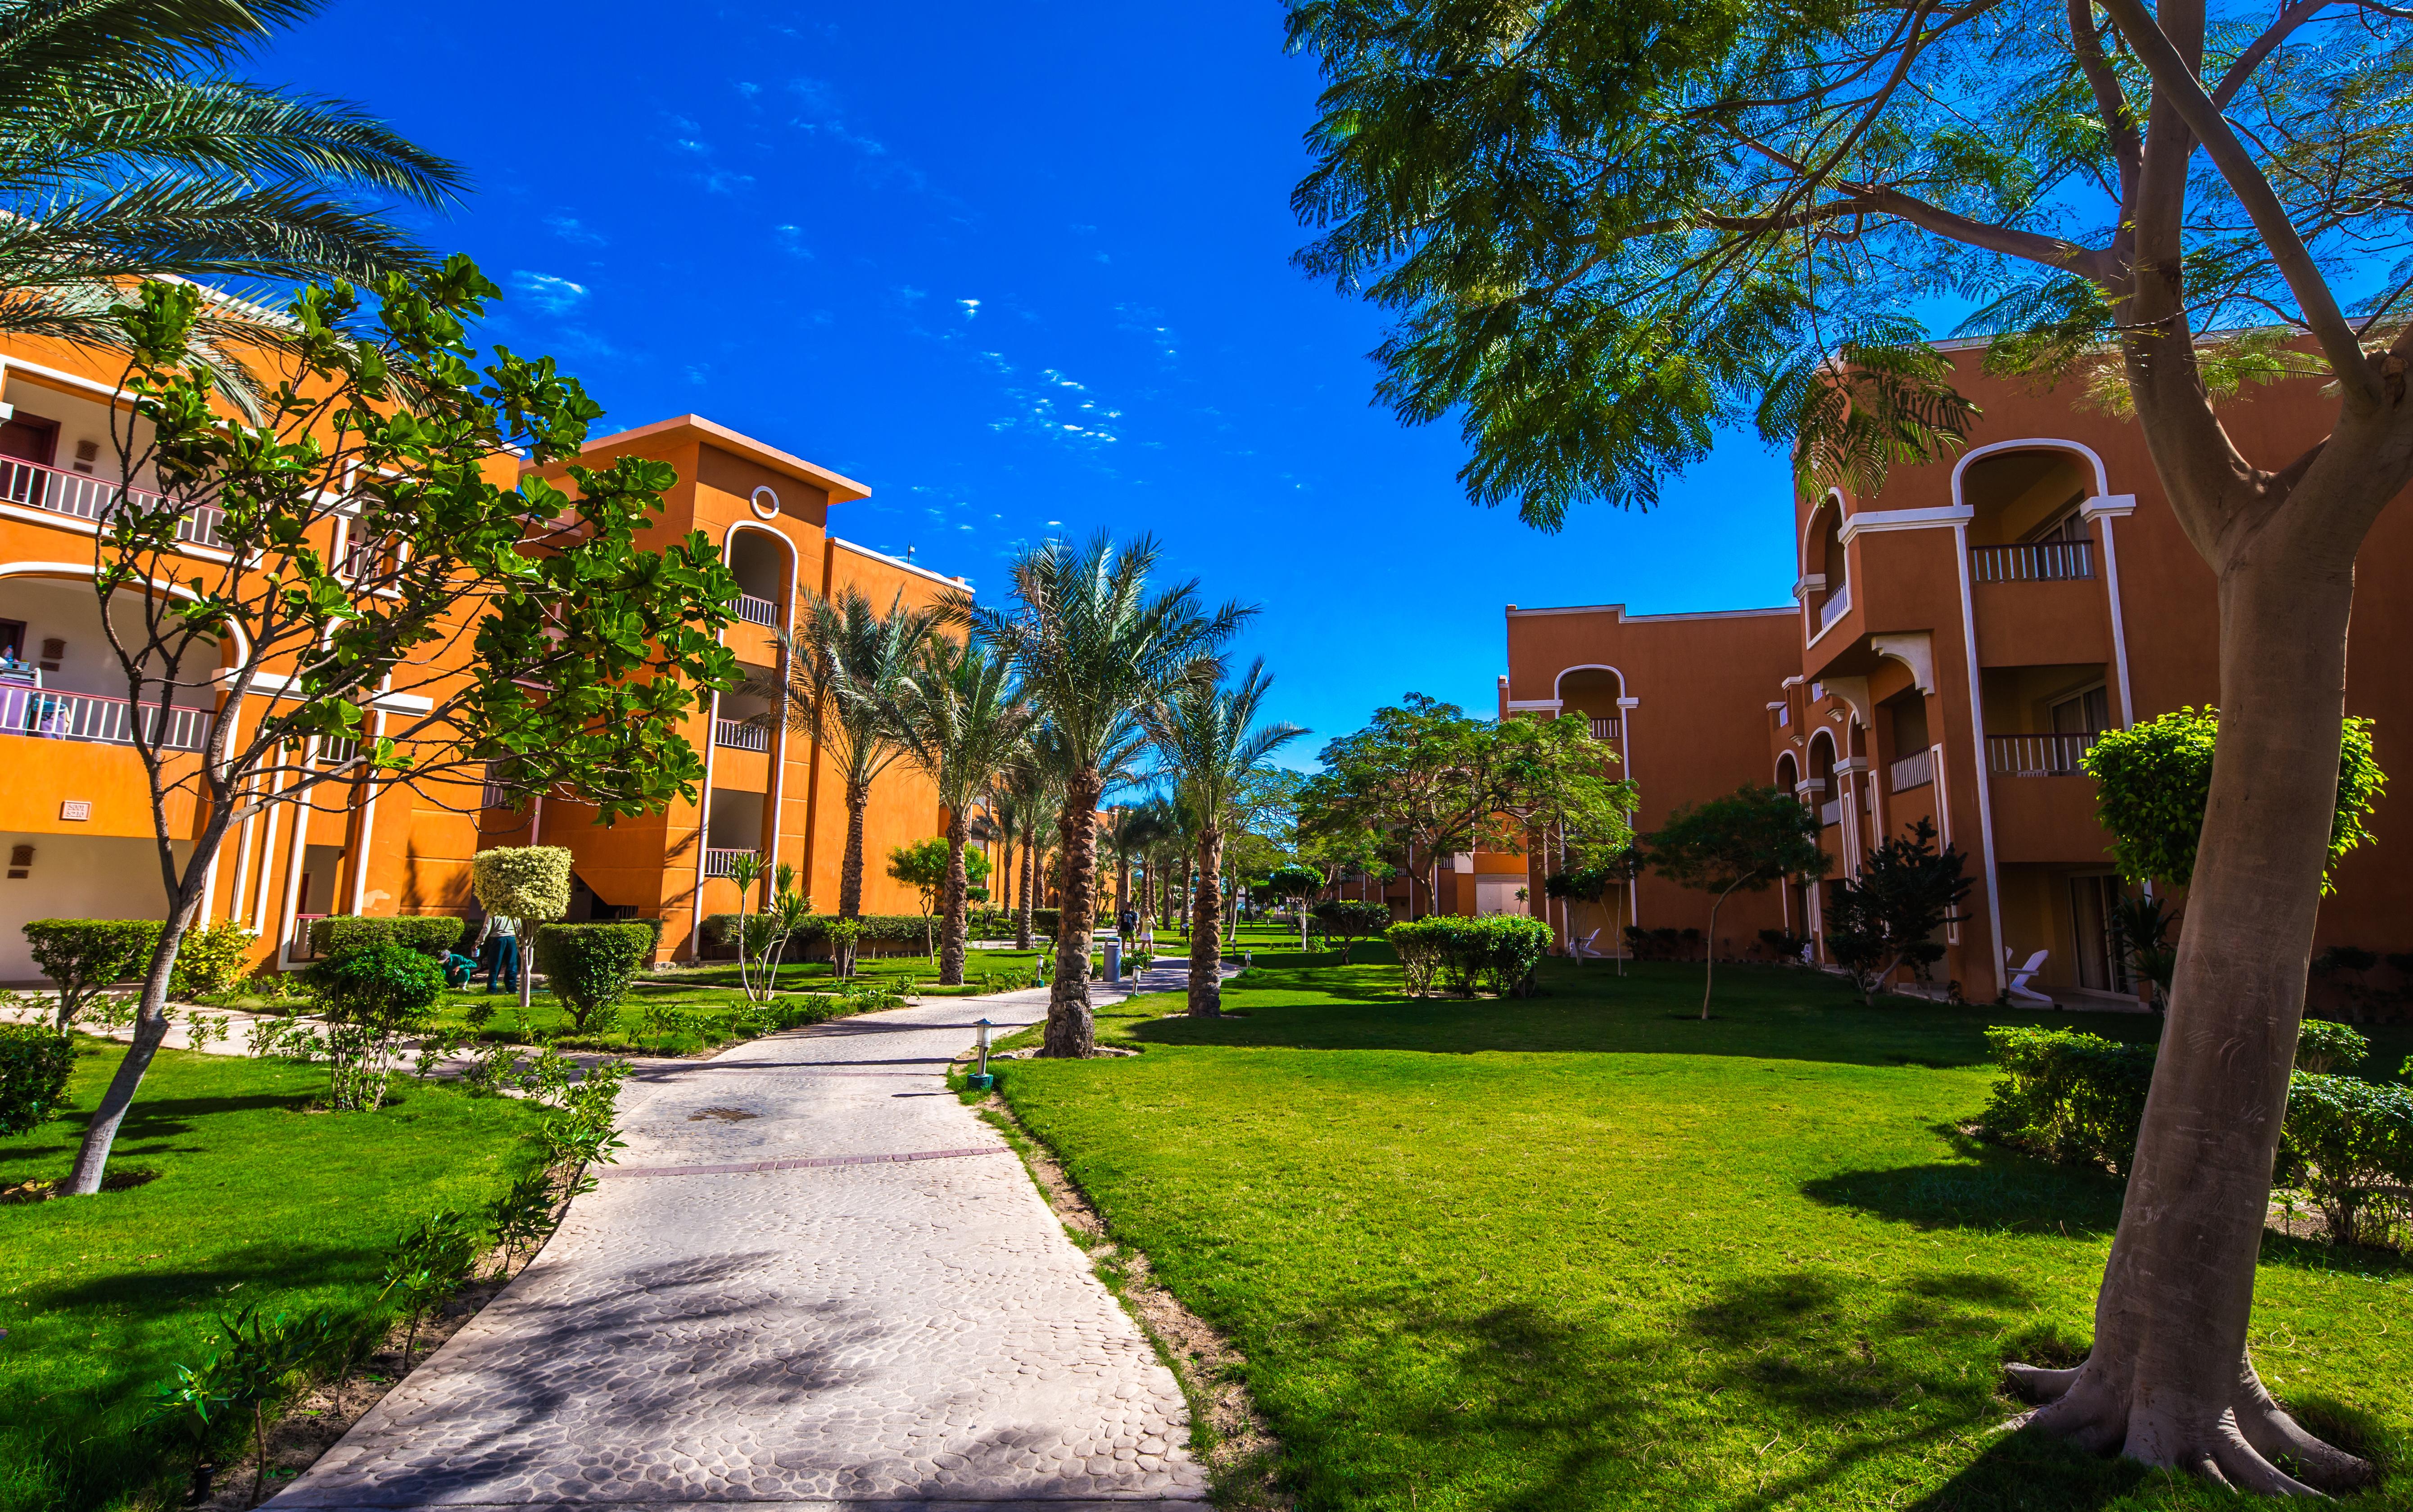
503 966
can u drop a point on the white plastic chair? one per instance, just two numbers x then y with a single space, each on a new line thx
2019 990
1584 947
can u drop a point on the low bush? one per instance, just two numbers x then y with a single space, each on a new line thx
370 999
340 934
2323 1045
2067 1095
34 1060
1498 951
2349 1145
809 941
85 957
589 966
210 961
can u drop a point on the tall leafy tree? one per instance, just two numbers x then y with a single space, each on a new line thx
130 149
1422 776
1095 641
964 721
1211 744
1610 228
849 670
1744 843
378 613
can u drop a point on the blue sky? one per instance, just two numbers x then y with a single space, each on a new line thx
1022 270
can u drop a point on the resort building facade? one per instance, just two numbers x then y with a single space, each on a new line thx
1956 642
75 817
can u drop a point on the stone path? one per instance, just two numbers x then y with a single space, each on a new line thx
813 1279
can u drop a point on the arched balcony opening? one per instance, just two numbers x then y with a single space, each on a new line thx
1825 559
1592 693
1819 786
759 559
2025 523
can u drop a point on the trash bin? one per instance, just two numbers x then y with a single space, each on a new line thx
1113 960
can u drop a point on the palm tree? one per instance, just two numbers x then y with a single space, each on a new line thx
1132 832
963 723
1093 645
128 150
1211 746
1026 791
849 668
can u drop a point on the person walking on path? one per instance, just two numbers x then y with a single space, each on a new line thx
504 931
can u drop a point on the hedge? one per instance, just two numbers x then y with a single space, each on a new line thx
340 934
2347 1143
1498 951
809 941
589 966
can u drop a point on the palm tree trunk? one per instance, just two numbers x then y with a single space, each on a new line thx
958 901
850 876
1072 1031
1029 876
1206 931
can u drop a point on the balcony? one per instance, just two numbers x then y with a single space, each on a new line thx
1838 604
1830 813
56 716
740 735
722 863
82 497
1916 770
1607 729
2039 561
755 611
2037 755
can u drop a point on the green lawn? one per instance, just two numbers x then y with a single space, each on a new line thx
1584 1251
255 1199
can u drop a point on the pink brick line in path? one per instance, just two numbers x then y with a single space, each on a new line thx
798 1164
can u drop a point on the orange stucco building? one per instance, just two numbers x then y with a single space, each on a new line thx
74 806
1957 642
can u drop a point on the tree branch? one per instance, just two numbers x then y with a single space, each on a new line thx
2259 48
2175 83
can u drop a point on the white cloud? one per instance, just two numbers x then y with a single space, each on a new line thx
749 90
549 292
971 307
570 229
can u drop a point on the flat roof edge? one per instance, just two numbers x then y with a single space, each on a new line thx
1624 618
915 567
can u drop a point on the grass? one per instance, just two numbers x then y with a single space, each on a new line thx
255 1199
1584 1251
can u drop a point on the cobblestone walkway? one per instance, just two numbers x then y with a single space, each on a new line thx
814 1278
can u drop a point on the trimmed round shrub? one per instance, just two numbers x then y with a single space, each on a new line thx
340 934
35 1061
1349 920
522 882
84 957
2323 1045
590 967
2068 1095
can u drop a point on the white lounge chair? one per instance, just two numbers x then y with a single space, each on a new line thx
2019 989
1580 948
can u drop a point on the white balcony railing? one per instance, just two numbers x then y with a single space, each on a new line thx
757 610
49 715
2036 755
1916 770
82 497
1831 811
2038 561
740 735
1607 729
1838 604
722 863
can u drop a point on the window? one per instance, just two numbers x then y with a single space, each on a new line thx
2087 713
2065 524
2102 965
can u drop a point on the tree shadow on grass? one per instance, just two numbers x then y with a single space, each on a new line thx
1997 1190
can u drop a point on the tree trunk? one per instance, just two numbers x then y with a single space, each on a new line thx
1071 1033
1206 931
2169 1380
150 1029
958 903
1029 881
1710 956
850 875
